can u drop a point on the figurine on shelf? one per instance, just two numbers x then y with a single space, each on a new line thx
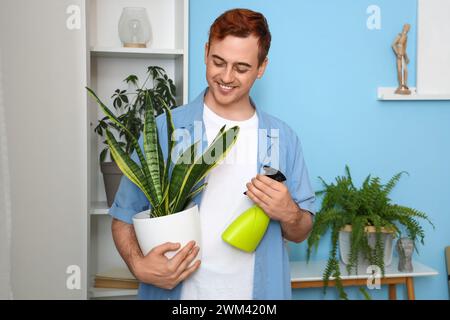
399 47
405 247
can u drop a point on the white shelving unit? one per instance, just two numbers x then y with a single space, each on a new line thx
97 293
137 53
98 208
388 93
108 65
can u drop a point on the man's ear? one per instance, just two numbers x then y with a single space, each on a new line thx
206 51
262 68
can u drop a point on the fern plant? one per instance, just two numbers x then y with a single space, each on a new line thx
366 207
167 194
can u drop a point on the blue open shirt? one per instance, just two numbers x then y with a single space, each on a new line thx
278 147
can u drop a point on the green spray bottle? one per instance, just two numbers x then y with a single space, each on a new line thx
247 230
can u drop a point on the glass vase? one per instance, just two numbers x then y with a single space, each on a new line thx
134 27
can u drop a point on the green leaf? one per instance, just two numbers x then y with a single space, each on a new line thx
196 191
103 155
128 167
151 145
132 79
170 143
365 293
180 171
200 168
131 138
393 181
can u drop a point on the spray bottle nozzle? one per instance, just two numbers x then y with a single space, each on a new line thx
274 174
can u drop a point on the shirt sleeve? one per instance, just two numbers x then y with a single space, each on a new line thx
129 199
300 185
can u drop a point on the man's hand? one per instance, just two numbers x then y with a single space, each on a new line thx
273 197
156 269
276 201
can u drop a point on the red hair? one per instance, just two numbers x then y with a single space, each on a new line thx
242 23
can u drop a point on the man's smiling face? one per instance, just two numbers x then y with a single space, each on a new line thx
231 69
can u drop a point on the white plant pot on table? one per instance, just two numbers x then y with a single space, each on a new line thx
387 238
181 227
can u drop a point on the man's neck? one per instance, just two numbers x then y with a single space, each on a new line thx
236 112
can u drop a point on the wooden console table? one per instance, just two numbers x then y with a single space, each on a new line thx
309 275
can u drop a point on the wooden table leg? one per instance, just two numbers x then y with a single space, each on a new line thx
392 292
410 288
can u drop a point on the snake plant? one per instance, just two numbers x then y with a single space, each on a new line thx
167 194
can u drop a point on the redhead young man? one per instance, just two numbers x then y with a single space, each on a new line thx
235 56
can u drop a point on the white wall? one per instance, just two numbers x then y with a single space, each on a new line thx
44 71
5 206
433 47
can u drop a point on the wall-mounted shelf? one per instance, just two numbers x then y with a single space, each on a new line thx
387 93
120 52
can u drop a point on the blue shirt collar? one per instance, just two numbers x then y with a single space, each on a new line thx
198 105
264 123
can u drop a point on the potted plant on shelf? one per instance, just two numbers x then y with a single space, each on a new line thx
169 185
130 107
363 222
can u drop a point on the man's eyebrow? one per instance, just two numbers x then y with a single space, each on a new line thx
238 63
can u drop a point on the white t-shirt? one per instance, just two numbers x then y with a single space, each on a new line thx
225 272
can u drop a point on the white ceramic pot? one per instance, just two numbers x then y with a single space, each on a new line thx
180 227
387 238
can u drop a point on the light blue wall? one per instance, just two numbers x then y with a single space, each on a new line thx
325 67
